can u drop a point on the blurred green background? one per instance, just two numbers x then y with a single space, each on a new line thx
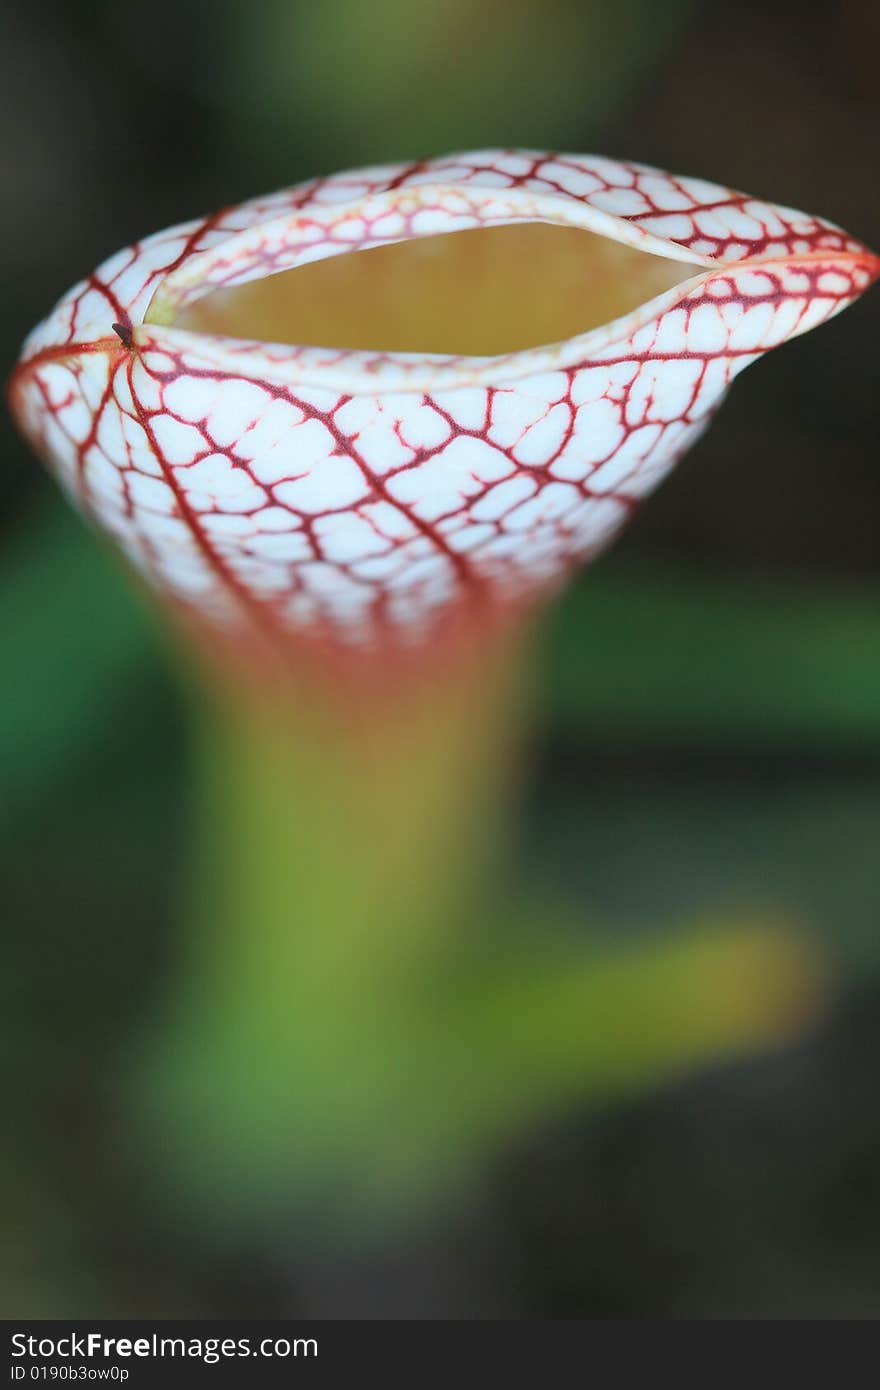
708 748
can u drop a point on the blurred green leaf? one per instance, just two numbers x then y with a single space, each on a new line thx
356 1112
672 654
73 636
365 83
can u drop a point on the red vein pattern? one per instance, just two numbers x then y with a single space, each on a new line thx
363 496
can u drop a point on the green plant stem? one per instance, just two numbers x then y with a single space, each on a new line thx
357 1013
344 846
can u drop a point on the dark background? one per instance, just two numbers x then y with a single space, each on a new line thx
725 766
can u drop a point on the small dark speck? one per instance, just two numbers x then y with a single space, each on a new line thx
123 332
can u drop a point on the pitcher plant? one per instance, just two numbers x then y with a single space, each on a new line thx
356 434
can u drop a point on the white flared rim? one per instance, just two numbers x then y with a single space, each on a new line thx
360 370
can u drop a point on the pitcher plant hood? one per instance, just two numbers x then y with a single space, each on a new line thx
372 401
